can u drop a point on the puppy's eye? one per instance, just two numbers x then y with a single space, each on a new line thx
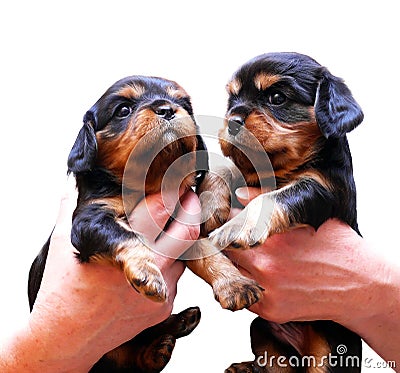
123 111
276 98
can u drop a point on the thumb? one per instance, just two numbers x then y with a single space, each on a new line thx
67 206
246 194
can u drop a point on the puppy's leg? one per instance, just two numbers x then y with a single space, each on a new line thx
231 289
158 341
306 201
215 193
179 325
99 236
151 350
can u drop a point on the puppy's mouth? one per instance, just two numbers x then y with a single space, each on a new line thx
248 155
164 154
169 131
165 134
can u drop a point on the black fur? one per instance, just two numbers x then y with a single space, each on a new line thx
94 229
335 108
311 203
306 84
83 153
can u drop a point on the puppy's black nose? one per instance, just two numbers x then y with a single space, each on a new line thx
165 111
235 124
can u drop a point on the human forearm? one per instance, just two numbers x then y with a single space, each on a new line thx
381 328
31 352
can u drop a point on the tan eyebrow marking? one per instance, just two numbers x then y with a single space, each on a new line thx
263 81
176 92
132 91
233 87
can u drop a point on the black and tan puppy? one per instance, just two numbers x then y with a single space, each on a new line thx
130 137
295 111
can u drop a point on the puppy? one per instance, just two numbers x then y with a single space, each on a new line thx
290 108
137 130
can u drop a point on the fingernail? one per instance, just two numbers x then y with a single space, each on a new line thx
242 193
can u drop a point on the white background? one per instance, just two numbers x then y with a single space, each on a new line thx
57 58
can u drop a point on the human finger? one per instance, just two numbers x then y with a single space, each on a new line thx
67 206
246 194
152 214
183 230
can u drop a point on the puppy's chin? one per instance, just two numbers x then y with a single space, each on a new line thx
171 135
164 156
169 139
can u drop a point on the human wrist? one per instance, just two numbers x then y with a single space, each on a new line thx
59 347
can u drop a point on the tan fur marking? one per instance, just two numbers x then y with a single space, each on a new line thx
103 259
288 145
113 203
314 175
131 91
176 92
234 87
317 347
113 153
279 222
263 81
138 263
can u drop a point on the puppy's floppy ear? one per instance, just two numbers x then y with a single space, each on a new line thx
83 153
336 111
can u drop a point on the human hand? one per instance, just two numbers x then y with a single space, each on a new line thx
313 275
90 308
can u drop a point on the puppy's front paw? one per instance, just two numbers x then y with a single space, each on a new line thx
147 279
252 226
239 233
137 262
237 293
